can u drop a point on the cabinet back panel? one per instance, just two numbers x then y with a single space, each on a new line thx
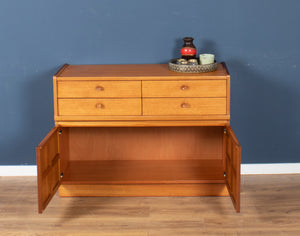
144 143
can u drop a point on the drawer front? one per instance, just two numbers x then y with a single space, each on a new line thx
97 89
99 107
184 106
184 88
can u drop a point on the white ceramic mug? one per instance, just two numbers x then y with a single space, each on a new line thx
206 59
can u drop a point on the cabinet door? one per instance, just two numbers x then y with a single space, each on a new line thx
232 166
48 164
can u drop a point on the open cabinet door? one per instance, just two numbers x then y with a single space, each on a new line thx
233 166
48 164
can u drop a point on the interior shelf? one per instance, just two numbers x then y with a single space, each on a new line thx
144 172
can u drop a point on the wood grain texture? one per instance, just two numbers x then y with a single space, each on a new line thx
135 120
184 88
144 172
228 97
232 166
157 143
64 148
140 123
142 190
48 163
98 89
60 71
133 72
184 106
99 107
270 203
55 105
77 86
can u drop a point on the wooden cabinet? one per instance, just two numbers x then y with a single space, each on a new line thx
139 130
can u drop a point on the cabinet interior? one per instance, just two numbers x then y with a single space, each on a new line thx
141 155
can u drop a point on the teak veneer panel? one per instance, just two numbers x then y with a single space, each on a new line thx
98 89
142 190
206 96
99 107
145 172
157 122
48 167
184 88
184 106
133 72
142 143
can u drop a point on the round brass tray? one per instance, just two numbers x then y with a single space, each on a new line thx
173 66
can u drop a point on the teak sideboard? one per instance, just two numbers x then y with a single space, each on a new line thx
139 130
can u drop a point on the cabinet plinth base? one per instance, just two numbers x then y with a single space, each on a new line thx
142 190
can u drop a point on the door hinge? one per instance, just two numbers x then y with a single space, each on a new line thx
225 131
224 174
60 132
61 175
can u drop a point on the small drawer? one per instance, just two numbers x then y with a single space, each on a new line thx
99 107
184 106
184 88
98 89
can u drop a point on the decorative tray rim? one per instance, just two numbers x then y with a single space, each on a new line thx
173 66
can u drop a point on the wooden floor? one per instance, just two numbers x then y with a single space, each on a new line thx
270 205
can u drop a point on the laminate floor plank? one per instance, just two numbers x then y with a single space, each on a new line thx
270 205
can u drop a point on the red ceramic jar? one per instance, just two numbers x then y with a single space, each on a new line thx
188 50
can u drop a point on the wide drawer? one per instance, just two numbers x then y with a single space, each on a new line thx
184 88
99 107
184 106
95 89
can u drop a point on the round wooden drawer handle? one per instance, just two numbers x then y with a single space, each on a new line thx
184 87
99 88
185 105
100 106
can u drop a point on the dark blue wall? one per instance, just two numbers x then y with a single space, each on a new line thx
258 39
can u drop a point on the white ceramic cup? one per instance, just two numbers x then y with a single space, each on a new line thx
206 59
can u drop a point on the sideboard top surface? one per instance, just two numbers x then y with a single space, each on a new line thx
138 71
